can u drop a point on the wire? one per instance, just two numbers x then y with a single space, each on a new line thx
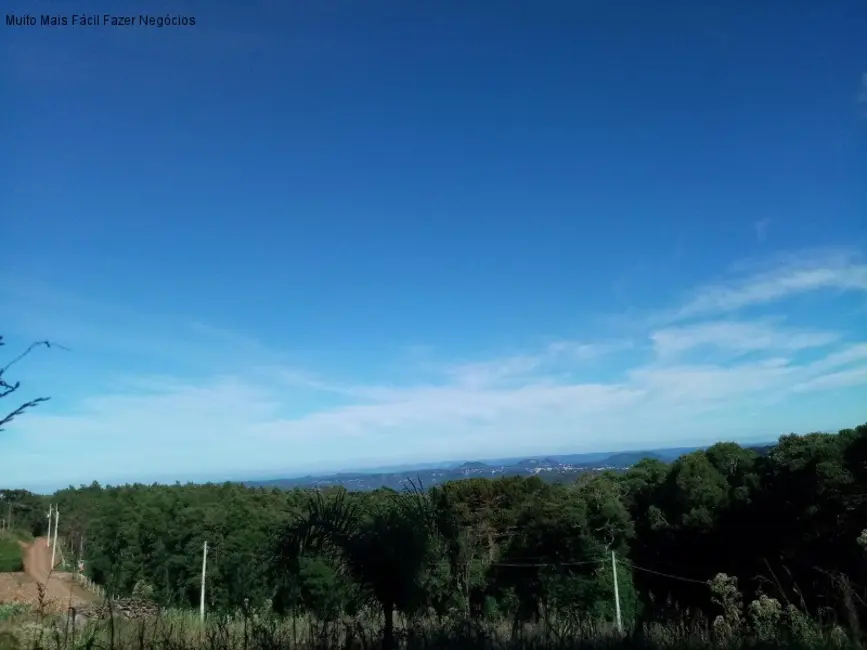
664 575
670 576
547 564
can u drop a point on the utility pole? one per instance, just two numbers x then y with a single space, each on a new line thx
56 525
50 512
204 568
79 567
616 593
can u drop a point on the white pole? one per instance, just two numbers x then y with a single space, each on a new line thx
616 593
50 512
204 568
56 526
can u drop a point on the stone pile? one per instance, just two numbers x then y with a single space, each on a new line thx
132 608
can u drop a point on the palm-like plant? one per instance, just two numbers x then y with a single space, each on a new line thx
382 545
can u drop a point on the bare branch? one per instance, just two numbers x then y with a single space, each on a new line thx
27 405
7 388
47 344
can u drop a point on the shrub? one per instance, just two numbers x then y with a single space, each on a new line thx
9 610
11 558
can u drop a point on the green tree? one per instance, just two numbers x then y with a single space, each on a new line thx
383 548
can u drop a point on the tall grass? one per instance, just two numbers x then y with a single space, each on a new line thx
177 630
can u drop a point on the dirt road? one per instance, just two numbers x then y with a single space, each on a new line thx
37 560
60 589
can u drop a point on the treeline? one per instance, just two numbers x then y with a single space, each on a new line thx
786 524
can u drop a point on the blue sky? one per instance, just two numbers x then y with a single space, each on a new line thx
310 236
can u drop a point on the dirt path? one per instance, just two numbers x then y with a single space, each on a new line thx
61 590
37 560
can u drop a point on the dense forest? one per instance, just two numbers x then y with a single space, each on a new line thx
786 525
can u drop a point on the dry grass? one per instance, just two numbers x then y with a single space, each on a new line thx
182 631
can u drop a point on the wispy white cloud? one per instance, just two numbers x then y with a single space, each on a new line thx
842 379
793 275
680 382
738 336
527 367
851 354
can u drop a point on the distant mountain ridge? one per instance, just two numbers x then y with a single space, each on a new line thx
473 464
552 468
629 458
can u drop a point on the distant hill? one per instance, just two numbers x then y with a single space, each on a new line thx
630 458
762 450
540 462
473 464
550 468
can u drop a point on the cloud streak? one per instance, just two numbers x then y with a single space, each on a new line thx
797 275
708 373
738 337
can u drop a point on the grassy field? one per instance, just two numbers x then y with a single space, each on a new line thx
21 629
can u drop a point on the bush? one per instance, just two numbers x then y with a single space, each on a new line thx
11 557
10 610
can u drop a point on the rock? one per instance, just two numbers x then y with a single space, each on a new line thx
131 608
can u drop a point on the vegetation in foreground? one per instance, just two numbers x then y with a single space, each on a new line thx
769 629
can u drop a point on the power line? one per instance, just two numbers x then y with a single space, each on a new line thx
670 576
547 564
664 575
